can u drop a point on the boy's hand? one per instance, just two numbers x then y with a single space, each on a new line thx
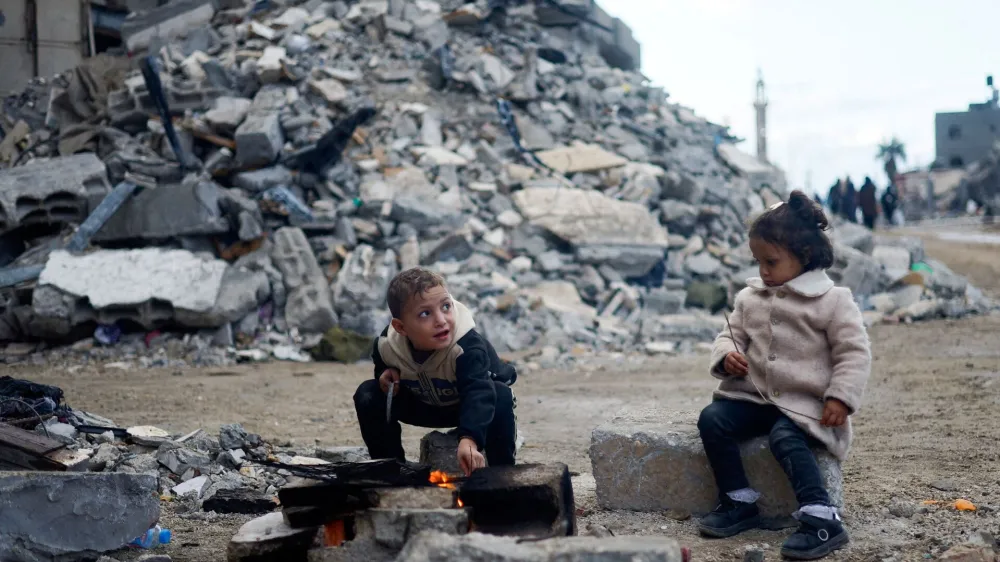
469 457
736 364
835 413
388 376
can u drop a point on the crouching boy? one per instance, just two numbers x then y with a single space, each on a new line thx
446 375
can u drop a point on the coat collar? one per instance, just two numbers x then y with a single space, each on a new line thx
810 284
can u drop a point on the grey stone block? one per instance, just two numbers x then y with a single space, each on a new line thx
259 140
55 191
148 287
46 516
440 451
309 306
258 181
664 301
188 209
629 261
420 213
857 271
479 547
855 236
653 460
393 527
227 114
141 29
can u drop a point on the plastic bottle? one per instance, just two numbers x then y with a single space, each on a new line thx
153 537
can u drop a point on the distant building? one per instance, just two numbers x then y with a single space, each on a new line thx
967 136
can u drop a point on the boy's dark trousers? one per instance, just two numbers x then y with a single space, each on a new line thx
725 423
384 440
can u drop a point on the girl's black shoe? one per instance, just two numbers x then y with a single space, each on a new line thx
730 518
815 538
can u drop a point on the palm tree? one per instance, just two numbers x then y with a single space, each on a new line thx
888 153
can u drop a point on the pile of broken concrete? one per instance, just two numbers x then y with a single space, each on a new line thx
325 146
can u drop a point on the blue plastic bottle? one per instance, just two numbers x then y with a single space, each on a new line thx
153 537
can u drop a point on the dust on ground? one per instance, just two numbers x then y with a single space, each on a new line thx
927 430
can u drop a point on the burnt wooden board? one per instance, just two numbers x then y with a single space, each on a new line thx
27 441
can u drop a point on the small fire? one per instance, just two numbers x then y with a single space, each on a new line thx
461 503
442 479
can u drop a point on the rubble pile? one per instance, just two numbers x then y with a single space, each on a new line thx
894 281
322 147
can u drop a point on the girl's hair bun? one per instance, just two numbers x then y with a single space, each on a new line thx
807 210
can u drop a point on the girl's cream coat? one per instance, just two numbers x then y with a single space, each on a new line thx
805 342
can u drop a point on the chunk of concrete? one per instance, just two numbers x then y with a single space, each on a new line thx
857 271
228 113
895 260
430 497
258 181
855 236
149 287
259 139
653 460
590 218
141 29
476 546
269 538
580 158
393 527
758 174
309 307
622 50
270 64
48 516
54 191
440 451
190 209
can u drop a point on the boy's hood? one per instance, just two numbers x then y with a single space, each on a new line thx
464 323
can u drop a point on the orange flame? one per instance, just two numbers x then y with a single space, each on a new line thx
442 479
461 503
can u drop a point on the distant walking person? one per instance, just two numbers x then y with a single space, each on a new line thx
849 201
869 203
890 199
833 198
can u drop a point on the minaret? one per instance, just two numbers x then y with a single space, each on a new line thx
760 104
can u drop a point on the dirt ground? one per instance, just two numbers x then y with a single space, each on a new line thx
927 431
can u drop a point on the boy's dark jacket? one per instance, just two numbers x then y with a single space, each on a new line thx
461 374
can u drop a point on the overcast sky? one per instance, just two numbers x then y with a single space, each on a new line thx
841 75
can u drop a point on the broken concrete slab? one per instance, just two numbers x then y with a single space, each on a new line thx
269 538
758 174
309 307
653 460
561 297
149 287
895 260
432 545
580 158
392 528
48 516
590 218
431 497
190 209
52 191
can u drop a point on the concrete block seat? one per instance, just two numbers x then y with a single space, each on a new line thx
653 460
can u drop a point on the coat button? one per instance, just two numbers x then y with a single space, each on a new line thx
774 321
781 294
776 393
772 357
